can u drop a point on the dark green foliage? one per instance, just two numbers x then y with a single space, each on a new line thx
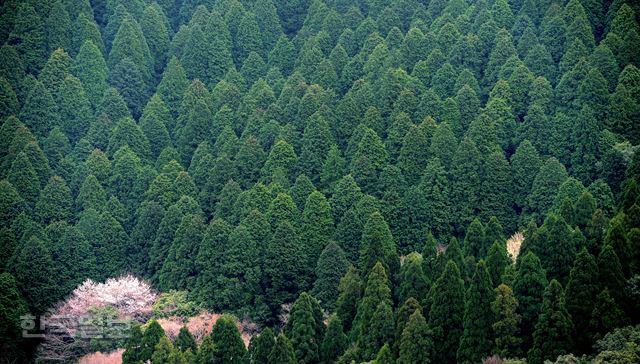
476 340
335 341
24 178
320 141
581 291
40 112
264 344
446 314
497 262
34 270
332 265
415 342
306 329
413 283
228 346
529 285
506 328
377 245
28 36
54 203
552 336
13 307
349 292
282 352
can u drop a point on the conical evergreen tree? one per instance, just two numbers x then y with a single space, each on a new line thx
528 287
303 329
228 344
581 290
57 28
552 336
497 262
54 203
185 340
335 341
349 292
415 342
331 267
34 270
13 307
377 245
446 314
264 345
506 327
282 352
476 340
153 123
412 280
40 112
25 179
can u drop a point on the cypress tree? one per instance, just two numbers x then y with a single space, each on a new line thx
335 341
128 79
525 163
349 293
507 321
129 42
57 28
8 99
475 241
377 245
24 178
545 187
331 267
264 345
154 27
581 290
11 203
497 262
282 352
316 142
128 133
377 291
172 86
412 280
415 343
317 225
552 336
162 351
285 265
209 263
151 336
40 112
606 315
446 314
466 172
529 285
175 273
86 29
34 270
54 203
153 123
75 108
132 345
303 327
28 36
476 339
12 307
228 344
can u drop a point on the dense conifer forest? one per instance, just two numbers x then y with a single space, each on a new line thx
320 181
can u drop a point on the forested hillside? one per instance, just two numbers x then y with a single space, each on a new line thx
396 181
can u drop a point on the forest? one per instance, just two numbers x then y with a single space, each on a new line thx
320 181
